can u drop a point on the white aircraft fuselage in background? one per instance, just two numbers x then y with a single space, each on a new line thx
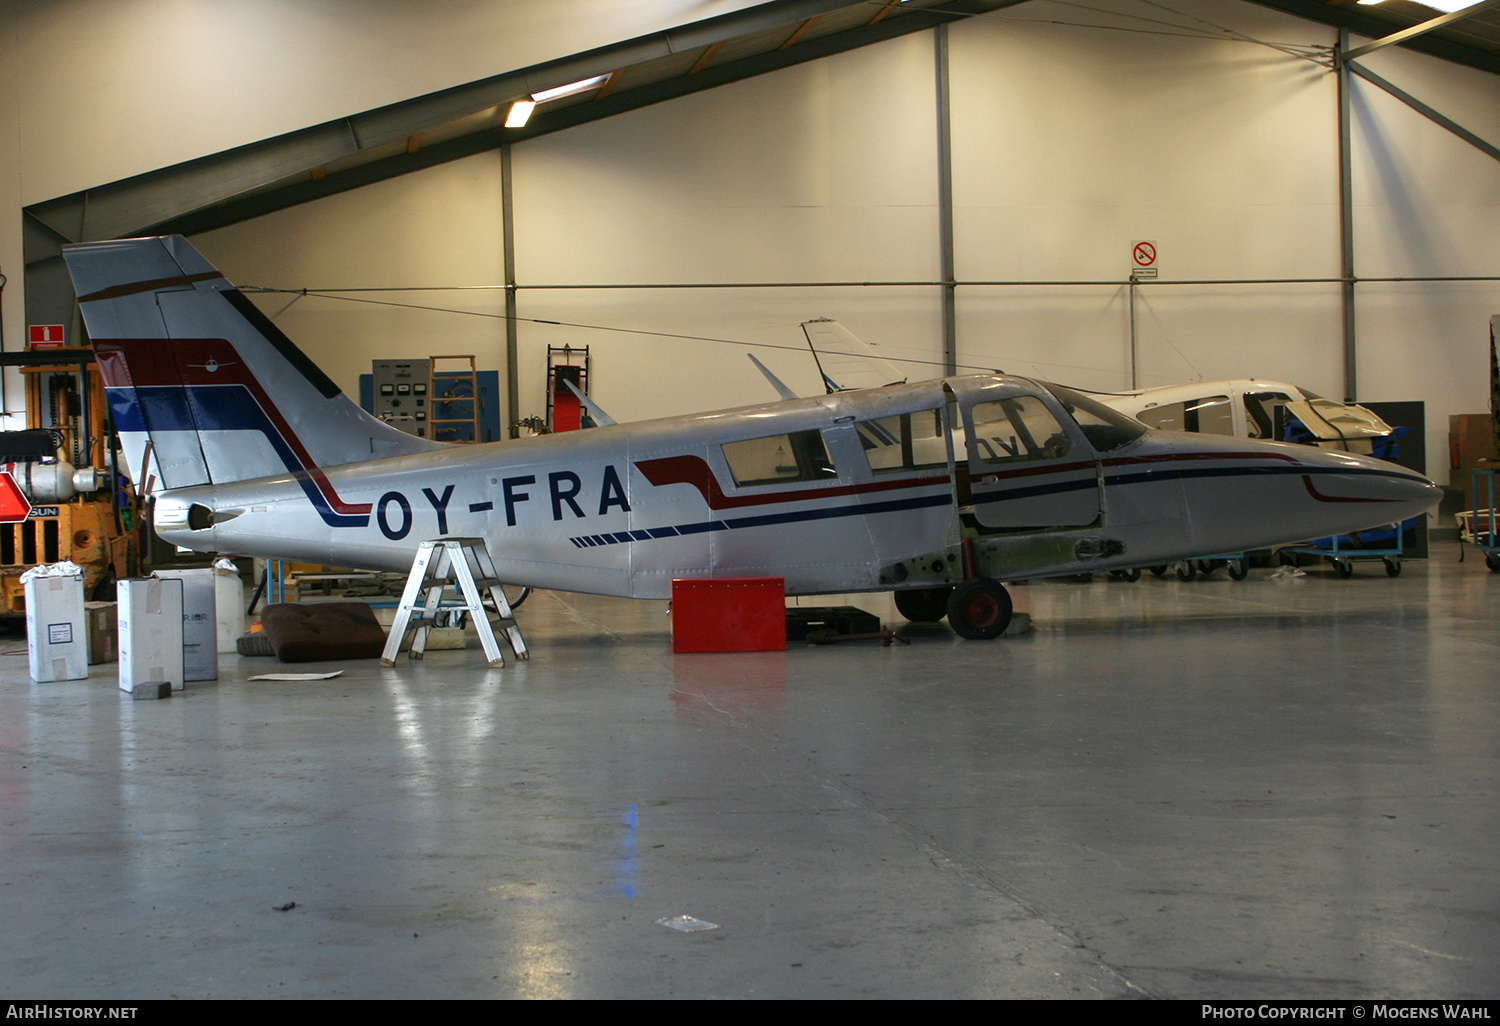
925 485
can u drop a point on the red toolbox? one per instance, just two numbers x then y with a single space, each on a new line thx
729 614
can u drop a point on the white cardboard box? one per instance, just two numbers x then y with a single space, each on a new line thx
229 609
150 612
103 628
56 640
200 642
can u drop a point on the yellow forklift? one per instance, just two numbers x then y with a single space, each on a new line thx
82 508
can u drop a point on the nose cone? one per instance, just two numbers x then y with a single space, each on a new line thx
1390 493
1244 494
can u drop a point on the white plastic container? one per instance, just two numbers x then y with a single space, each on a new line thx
229 605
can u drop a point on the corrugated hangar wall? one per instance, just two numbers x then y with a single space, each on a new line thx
1069 144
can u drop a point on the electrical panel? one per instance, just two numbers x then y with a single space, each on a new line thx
415 396
399 394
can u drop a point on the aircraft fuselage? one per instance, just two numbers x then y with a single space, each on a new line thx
875 505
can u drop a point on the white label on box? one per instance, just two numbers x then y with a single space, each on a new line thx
59 634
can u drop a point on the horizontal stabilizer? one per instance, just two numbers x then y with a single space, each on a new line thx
776 383
601 419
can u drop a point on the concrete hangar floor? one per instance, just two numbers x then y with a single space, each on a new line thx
1206 789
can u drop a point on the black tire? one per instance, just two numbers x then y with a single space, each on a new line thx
1344 567
1492 561
923 605
1160 571
1207 566
1392 566
1132 575
1186 571
1239 569
513 601
104 591
979 609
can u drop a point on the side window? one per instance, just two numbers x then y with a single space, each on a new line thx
778 459
1017 429
1214 415
1211 415
1167 418
906 441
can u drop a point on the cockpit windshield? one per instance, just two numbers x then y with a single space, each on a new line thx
1106 429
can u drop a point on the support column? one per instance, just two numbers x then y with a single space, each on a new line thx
945 206
1346 224
508 234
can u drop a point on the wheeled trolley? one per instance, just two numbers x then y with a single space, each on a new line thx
1478 525
1344 550
1237 563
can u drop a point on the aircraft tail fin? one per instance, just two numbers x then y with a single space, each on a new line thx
845 360
192 366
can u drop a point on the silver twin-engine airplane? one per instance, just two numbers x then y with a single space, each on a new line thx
938 490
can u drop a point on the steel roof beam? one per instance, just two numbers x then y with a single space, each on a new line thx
1347 16
138 204
203 217
1418 30
1431 114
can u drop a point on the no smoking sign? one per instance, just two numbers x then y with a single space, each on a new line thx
1143 259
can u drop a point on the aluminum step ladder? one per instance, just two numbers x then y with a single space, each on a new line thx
466 563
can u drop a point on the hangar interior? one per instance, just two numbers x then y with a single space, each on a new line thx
1269 788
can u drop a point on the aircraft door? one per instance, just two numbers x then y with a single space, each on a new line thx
1029 465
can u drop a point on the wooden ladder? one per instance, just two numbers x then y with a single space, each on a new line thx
447 412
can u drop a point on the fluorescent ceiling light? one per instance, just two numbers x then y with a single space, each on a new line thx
1447 6
519 112
558 92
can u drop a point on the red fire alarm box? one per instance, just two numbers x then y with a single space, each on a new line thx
729 614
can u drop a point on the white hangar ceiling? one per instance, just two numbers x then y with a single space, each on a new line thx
253 180
273 174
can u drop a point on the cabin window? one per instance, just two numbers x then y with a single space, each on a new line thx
1019 428
1211 415
906 441
779 459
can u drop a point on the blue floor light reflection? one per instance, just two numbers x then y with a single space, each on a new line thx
626 867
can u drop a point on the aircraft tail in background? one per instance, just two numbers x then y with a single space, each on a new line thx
846 361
